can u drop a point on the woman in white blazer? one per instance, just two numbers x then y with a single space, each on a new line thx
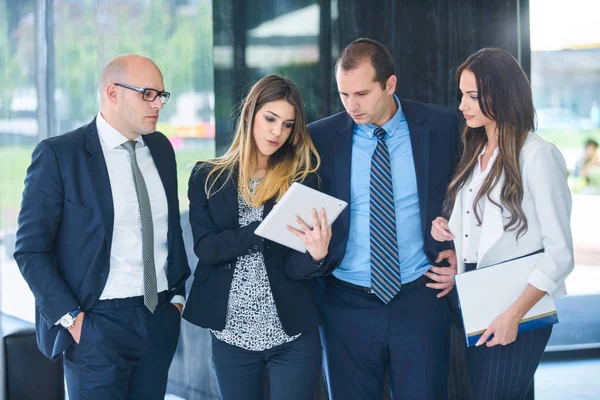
509 198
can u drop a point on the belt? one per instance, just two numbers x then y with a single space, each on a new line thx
421 281
127 302
470 267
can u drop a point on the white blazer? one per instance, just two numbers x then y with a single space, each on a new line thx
547 205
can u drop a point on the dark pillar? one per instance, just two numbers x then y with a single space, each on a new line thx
229 24
430 38
326 63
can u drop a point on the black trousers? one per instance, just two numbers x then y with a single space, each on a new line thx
294 369
124 351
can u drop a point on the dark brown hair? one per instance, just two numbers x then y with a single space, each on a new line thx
362 50
504 95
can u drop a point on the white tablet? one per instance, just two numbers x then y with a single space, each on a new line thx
298 201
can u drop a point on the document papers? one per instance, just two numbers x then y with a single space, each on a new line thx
299 200
487 292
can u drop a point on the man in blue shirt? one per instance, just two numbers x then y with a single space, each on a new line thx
383 307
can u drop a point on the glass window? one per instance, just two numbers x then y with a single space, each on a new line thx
18 136
565 79
177 35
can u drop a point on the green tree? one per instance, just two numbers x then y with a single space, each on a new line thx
181 45
12 73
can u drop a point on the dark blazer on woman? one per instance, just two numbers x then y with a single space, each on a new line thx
219 241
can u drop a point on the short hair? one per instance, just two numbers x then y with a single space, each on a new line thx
362 50
591 142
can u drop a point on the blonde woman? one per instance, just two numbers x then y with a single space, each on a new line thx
253 294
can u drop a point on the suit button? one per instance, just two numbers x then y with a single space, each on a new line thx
249 251
228 267
255 247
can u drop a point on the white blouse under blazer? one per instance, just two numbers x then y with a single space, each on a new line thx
547 206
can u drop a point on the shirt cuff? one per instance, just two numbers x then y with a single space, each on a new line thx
541 281
317 264
178 299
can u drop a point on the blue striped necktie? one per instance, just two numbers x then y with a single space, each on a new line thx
385 264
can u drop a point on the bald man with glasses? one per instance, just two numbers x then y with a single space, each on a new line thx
100 244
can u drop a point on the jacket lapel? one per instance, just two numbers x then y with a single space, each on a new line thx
100 180
230 198
229 195
419 139
268 206
169 186
161 166
455 226
342 153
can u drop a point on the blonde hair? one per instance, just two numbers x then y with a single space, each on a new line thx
293 161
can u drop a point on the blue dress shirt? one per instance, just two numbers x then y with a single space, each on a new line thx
356 265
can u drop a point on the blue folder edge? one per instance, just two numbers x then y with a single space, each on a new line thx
524 326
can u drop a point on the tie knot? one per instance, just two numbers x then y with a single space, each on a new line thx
129 146
379 133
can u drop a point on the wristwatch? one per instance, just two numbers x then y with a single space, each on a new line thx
68 320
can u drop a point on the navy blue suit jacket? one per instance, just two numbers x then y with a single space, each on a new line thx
436 143
66 224
219 241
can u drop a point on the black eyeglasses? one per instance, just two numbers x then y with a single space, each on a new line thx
148 94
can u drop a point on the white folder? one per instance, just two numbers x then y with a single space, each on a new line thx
299 200
487 292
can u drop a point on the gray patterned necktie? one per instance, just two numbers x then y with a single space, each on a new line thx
385 263
147 228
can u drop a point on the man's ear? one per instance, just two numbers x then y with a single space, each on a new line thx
390 85
110 92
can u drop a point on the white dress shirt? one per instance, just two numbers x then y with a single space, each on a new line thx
471 230
125 277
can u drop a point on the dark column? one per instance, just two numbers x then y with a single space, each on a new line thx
326 62
430 38
229 27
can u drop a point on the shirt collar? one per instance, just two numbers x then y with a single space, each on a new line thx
496 150
492 158
111 137
390 127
